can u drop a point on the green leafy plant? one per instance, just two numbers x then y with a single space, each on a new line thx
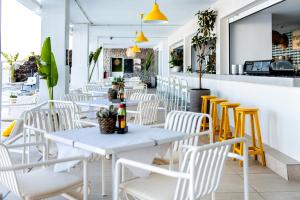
93 58
176 58
47 67
204 38
118 80
107 113
11 60
148 63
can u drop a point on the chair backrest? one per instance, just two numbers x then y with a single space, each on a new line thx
188 123
91 87
148 112
51 120
77 97
8 178
129 92
205 166
142 97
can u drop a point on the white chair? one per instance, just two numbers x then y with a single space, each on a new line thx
198 176
91 88
77 97
129 92
142 97
188 123
31 81
146 113
41 183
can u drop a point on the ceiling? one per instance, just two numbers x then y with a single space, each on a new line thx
286 16
114 22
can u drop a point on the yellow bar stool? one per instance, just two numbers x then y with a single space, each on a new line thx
225 131
205 108
255 149
214 114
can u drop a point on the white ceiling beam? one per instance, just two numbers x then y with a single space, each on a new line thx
32 5
83 12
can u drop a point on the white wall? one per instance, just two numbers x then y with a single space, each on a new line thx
80 55
251 38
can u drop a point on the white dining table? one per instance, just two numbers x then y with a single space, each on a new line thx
115 145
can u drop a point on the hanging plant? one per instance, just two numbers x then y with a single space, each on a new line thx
204 38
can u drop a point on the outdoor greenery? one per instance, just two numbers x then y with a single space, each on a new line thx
148 62
47 68
176 58
107 113
205 39
11 60
93 58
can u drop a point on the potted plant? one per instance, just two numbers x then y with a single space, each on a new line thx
146 66
93 57
47 68
203 42
11 60
176 61
107 119
117 83
13 98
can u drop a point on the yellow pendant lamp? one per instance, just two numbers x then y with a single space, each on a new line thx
141 37
156 16
136 49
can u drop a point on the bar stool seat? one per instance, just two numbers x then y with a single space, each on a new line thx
256 149
225 132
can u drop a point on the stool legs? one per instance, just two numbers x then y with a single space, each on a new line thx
257 146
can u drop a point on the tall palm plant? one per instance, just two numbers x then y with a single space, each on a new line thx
93 58
47 67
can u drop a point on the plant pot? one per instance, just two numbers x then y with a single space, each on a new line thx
107 125
112 94
13 100
196 100
176 69
115 86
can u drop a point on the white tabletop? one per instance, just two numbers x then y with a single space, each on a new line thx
90 139
98 102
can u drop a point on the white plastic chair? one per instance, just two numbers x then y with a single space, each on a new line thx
146 113
42 183
199 175
142 97
129 92
91 88
188 123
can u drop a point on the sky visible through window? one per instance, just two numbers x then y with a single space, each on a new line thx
21 29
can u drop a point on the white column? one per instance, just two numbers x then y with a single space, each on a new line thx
80 55
55 24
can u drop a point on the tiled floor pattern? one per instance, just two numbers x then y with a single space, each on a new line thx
264 184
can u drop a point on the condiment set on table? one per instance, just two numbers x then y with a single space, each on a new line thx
108 118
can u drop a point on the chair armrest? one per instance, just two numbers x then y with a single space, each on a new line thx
34 129
24 145
133 112
150 168
41 164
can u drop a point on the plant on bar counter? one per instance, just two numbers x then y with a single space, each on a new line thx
47 67
11 60
205 40
93 57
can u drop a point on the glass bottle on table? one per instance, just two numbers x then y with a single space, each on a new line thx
122 125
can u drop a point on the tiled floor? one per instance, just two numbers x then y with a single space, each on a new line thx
264 184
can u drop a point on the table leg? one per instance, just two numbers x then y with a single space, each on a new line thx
113 165
102 177
171 156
